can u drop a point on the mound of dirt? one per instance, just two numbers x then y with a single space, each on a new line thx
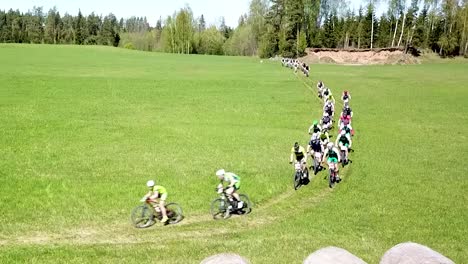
359 57
413 253
326 59
225 258
332 255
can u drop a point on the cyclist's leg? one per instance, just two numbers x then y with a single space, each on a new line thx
162 206
231 193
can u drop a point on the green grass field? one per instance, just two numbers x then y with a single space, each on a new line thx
83 128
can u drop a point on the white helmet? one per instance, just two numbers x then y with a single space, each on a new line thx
343 132
220 172
330 145
150 183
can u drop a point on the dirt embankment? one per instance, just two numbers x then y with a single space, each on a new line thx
359 57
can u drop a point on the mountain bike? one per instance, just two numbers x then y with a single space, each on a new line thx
317 162
332 177
301 177
224 206
145 215
344 160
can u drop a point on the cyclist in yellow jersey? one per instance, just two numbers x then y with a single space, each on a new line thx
234 185
157 192
300 154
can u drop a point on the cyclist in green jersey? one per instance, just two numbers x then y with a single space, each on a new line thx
234 185
157 192
333 157
344 142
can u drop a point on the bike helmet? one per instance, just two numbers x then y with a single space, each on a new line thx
150 183
315 122
330 145
342 132
296 146
220 172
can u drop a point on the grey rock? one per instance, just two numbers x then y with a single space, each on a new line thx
225 258
413 253
332 255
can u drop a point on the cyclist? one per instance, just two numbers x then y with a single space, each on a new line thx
314 128
344 142
156 192
347 111
324 138
348 129
333 158
234 185
326 91
330 99
298 152
315 148
326 122
345 119
346 97
320 87
329 108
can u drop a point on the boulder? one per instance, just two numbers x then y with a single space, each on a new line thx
413 253
332 255
225 258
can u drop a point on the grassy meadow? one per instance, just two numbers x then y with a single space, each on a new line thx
83 128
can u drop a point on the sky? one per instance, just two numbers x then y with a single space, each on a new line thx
212 10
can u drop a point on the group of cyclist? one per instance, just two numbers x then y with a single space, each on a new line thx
296 65
320 147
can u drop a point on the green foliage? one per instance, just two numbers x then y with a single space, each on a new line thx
129 45
242 42
211 42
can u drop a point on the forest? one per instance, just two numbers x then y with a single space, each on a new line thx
269 28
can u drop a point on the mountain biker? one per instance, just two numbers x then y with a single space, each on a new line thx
348 129
320 87
314 128
234 185
324 138
156 192
315 148
344 142
347 111
330 99
345 119
346 97
329 108
326 92
326 121
298 152
333 157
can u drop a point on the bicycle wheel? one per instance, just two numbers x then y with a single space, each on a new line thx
331 179
297 180
247 208
316 166
219 209
174 213
142 216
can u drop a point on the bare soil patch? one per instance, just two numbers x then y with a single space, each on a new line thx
359 57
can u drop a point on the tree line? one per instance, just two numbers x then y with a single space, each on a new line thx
269 28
